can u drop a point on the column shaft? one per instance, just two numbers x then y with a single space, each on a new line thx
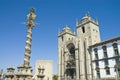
28 47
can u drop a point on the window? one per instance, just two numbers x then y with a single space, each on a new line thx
96 56
62 38
108 71
115 47
105 51
98 74
97 63
119 73
117 70
106 62
83 29
105 55
117 60
96 53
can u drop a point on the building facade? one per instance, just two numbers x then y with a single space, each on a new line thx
74 62
43 70
106 59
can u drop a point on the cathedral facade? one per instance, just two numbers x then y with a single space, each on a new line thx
74 60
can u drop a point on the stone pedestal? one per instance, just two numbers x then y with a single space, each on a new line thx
24 73
10 73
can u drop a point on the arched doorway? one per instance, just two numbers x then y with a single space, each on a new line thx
71 63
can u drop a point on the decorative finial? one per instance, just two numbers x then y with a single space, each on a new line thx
76 22
88 14
32 10
66 25
58 31
74 31
31 15
96 20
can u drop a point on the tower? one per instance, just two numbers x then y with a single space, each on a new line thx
87 34
25 71
66 54
74 61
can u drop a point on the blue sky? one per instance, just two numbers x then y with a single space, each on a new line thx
51 15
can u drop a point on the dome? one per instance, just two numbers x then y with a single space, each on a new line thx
86 17
66 28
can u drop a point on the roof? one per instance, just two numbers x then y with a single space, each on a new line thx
65 30
86 19
106 41
10 68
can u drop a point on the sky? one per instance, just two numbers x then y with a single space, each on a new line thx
51 16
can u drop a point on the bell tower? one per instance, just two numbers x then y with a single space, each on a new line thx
88 28
87 34
68 63
66 54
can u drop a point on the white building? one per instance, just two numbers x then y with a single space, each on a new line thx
43 70
106 58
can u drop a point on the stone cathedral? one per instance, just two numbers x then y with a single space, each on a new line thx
74 60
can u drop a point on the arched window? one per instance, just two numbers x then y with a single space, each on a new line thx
62 38
83 29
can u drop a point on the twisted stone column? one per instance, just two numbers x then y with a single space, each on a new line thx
30 24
